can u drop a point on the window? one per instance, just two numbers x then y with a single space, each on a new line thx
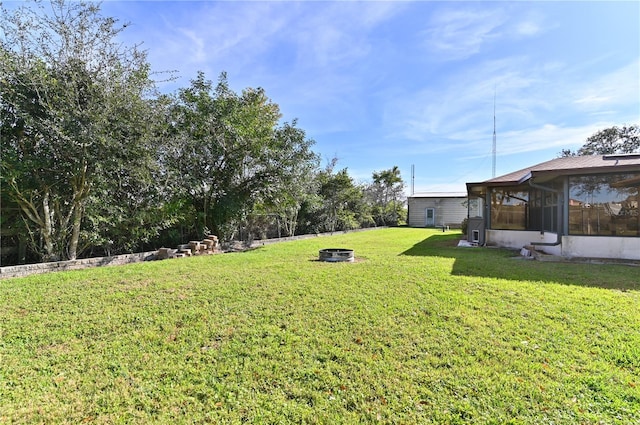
475 207
543 210
604 205
509 208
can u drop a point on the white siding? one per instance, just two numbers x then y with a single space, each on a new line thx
448 211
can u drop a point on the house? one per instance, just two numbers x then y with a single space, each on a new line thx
437 209
583 206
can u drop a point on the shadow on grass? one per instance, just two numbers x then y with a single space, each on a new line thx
508 264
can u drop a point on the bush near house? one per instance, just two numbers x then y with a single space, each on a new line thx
463 226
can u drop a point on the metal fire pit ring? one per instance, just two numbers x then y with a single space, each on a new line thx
334 255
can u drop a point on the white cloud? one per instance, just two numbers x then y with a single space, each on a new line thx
461 105
619 87
545 137
336 34
465 31
458 34
325 63
527 21
196 47
592 100
534 103
528 28
212 37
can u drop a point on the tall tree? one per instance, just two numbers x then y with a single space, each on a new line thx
386 195
139 206
343 202
613 140
71 99
298 165
231 153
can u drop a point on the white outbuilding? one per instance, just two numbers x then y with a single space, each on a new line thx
437 209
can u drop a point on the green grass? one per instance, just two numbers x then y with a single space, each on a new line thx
415 331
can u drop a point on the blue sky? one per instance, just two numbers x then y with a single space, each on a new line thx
379 84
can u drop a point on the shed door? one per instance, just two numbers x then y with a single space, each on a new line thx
430 214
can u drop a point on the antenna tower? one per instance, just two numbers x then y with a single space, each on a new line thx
413 178
493 149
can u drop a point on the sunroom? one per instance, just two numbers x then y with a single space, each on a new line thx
584 206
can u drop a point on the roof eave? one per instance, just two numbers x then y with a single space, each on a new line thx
559 172
525 177
585 170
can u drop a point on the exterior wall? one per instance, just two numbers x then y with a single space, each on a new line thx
476 225
517 239
601 247
627 248
448 211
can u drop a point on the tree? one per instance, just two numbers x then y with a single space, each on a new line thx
230 153
296 185
386 193
343 202
613 140
64 78
140 205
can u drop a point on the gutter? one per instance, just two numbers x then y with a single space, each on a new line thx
558 240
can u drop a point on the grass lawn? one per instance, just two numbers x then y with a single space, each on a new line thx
415 331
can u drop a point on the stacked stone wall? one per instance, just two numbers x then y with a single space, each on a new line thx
38 268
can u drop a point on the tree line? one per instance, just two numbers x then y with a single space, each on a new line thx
96 161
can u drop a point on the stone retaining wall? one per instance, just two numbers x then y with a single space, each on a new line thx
29 269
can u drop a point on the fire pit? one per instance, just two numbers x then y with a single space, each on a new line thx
334 255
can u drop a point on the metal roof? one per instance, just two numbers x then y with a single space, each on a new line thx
439 195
